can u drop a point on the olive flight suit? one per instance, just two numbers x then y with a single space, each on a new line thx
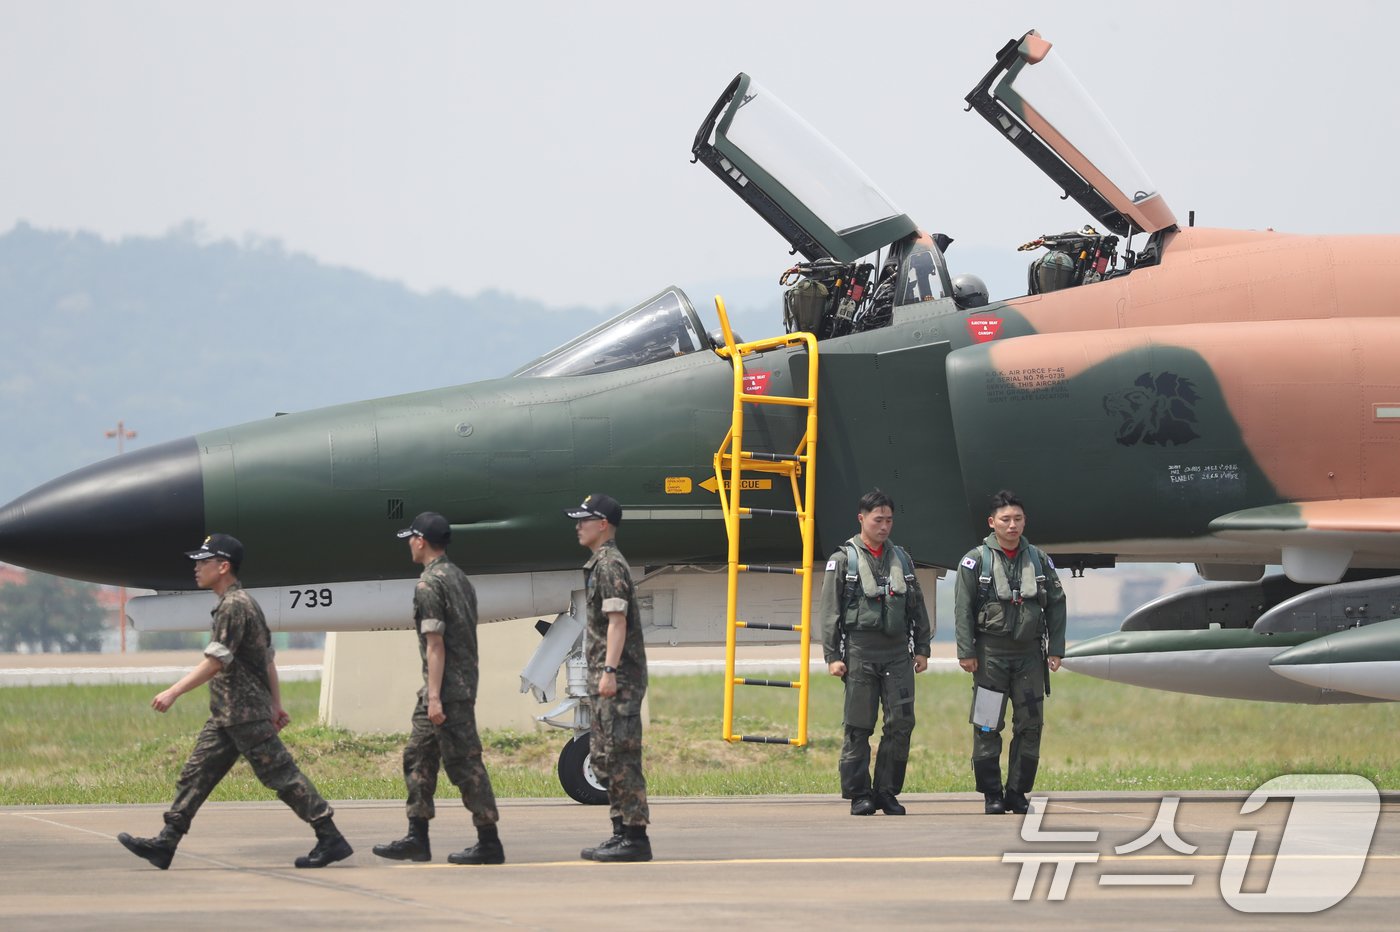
1011 633
873 618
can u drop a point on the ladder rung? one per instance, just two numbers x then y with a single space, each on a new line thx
793 401
757 568
781 684
770 512
766 627
759 739
772 457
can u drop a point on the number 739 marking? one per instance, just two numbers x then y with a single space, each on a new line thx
310 598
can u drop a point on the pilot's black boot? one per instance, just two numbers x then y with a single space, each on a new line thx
613 842
635 846
331 846
855 784
1017 793
887 799
988 773
889 805
487 849
412 847
160 850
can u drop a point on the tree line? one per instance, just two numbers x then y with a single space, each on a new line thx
47 614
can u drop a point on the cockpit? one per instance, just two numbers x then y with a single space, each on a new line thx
1035 101
863 258
662 327
827 209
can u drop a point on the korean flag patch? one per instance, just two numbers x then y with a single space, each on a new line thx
830 565
969 563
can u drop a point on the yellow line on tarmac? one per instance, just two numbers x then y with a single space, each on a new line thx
932 859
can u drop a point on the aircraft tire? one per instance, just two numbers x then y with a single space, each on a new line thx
576 773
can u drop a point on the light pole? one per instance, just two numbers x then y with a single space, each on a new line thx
122 435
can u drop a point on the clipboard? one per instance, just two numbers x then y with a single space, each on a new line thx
988 709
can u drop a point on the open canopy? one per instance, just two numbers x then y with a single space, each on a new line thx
792 175
1036 102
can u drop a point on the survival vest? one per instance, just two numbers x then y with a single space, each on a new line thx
862 588
998 608
984 578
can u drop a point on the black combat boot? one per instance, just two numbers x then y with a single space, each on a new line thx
1016 800
862 805
331 846
886 798
635 846
160 850
613 842
988 774
411 847
487 849
889 805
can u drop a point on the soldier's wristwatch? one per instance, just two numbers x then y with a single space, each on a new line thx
609 669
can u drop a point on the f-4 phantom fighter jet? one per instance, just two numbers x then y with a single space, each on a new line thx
1162 392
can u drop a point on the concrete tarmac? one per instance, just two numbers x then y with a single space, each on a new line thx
785 862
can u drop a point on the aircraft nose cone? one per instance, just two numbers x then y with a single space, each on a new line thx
126 520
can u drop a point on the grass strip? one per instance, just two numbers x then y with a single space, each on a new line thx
103 744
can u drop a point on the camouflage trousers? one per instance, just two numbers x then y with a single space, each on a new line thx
615 753
1022 677
872 685
218 748
456 747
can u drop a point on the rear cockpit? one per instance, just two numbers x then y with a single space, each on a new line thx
1032 98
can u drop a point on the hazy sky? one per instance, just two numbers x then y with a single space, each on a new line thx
542 148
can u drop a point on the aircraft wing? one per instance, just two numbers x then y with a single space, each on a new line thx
1318 540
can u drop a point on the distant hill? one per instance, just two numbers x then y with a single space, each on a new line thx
178 334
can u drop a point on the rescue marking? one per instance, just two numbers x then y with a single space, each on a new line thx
711 485
678 485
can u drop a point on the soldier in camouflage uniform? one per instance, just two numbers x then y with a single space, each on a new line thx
1011 630
876 634
444 720
245 714
617 682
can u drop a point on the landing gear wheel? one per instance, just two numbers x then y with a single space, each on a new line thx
576 773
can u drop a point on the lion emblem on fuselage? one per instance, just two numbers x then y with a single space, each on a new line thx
1158 409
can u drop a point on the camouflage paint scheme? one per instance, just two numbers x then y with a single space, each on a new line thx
1232 403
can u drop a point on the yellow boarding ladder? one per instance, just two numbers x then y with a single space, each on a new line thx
729 468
